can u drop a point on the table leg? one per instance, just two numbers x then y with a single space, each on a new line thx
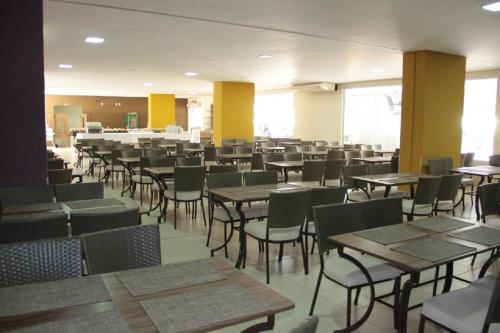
387 191
285 170
243 246
405 299
268 325
478 214
228 238
448 279
129 188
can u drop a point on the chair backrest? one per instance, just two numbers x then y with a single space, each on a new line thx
396 152
489 197
228 179
495 160
288 208
325 196
333 169
189 178
209 154
122 249
449 186
79 191
313 170
243 150
115 155
335 155
349 155
367 153
225 150
440 166
306 143
395 164
213 169
377 147
468 160
154 153
290 149
366 147
132 153
26 195
40 261
51 154
427 190
303 148
379 169
349 171
55 163
307 326
28 227
493 314
273 157
189 161
382 212
103 219
60 176
257 162
318 148
349 146
158 162
261 178
292 157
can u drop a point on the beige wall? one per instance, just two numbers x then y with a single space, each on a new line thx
318 115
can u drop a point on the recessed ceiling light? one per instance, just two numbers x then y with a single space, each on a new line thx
191 74
149 84
66 66
493 7
264 56
94 40
377 70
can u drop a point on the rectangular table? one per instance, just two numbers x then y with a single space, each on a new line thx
483 172
373 160
286 166
133 312
389 179
273 149
412 264
234 157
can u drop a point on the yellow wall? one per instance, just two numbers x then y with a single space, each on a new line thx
233 111
161 110
432 105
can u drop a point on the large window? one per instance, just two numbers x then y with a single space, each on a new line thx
372 115
274 115
479 121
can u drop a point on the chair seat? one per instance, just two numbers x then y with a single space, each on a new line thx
467 182
258 230
182 195
377 194
419 209
142 180
487 283
445 205
254 212
493 222
157 187
332 182
311 227
463 310
346 273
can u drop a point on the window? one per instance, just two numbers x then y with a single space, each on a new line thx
479 120
372 115
274 115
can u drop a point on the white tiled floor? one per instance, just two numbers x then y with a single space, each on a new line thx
288 278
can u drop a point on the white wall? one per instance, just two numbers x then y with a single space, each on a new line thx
318 115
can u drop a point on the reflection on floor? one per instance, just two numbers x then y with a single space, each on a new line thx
188 243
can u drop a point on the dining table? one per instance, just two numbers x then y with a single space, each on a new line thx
286 166
315 154
388 180
234 157
373 160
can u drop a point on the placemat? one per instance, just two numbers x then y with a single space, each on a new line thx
481 235
159 278
43 296
440 224
110 321
201 308
84 204
432 249
390 234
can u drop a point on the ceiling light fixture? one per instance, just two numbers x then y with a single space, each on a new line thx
377 70
94 40
148 84
65 66
493 7
264 56
191 74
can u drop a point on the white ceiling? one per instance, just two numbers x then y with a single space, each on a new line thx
310 40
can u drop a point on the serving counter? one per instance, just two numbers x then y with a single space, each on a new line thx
132 137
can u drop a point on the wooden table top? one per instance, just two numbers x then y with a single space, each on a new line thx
376 159
286 164
160 171
103 152
389 179
482 170
407 262
234 156
316 153
133 312
274 148
249 193
167 145
128 160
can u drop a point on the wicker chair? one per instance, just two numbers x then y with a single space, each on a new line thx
309 325
40 261
313 171
27 227
79 191
60 176
103 219
26 195
55 163
122 249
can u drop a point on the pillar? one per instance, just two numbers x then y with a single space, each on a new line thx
22 125
432 107
233 111
161 110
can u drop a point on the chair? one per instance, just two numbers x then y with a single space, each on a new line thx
468 160
318 148
79 191
257 162
349 171
333 172
350 155
40 261
83 222
494 160
335 155
286 215
377 147
394 164
187 187
309 325
320 143
214 169
55 163
292 157
290 148
224 150
313 171
115 167
26 195
475 308
272 158
28 227
344 270
154 153
440 167
158 185
142 178
60 176
243 150
366 147
447 193
122 249
209 155
189 161
367 153
260 178
489 197
425 196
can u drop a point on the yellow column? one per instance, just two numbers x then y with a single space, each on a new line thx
432 107
161 110
233 111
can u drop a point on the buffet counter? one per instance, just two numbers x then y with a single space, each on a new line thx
132 137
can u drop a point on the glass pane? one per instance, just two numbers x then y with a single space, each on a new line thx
274 115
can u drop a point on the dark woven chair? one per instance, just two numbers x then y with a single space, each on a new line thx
261 178
27 227
189 161
60 176
425 196
40 261
55 163
292 157
257 162
79 191
334 154
333 172
122 249
359 190
103 219
309 325
26 195
209 155
447 193
213 169
115 167
272 158
350 155
313 171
